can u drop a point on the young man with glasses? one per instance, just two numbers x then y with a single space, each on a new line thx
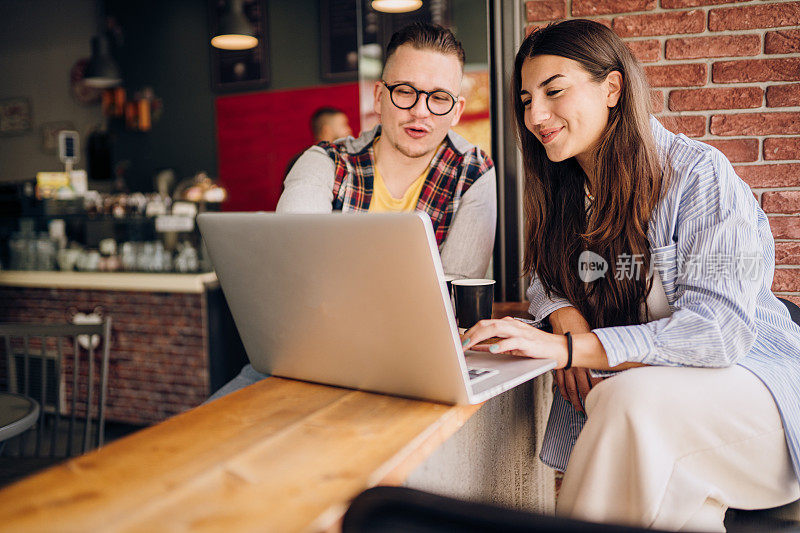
411 160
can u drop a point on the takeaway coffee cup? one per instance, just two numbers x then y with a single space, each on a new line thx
473 298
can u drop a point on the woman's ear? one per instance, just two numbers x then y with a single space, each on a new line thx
614 88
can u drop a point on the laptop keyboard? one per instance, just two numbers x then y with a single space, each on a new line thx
479 374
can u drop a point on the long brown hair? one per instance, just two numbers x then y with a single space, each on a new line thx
627 182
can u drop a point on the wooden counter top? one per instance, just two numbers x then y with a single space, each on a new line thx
112 281
280 455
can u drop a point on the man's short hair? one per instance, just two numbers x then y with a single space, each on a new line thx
320 116
424 36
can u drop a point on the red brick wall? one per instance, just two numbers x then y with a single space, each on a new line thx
159 345
725 72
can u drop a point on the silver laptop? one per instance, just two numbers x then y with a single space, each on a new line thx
353 300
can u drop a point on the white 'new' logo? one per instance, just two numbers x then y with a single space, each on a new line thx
591 266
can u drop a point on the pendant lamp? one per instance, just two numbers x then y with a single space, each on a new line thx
235 31
396 6
102 71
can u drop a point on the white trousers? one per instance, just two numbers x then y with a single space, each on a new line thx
673 447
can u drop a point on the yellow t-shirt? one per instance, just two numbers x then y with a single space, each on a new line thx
383 201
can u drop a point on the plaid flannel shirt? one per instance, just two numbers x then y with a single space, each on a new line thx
451 173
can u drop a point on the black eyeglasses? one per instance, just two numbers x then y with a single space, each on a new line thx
405 96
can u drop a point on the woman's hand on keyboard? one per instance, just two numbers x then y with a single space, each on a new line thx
516 338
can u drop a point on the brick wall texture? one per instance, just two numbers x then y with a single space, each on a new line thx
158 364
727 73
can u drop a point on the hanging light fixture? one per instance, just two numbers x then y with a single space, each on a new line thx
396 6
235 31
102 71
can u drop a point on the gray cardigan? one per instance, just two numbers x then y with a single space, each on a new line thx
468 247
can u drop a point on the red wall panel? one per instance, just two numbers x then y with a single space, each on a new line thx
258 133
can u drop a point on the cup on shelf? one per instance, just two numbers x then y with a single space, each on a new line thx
67 258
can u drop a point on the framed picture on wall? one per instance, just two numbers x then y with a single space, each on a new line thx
338 40
15 116
339 37
339 31
240 70
50 134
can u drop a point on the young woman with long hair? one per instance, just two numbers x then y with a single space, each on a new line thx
678 369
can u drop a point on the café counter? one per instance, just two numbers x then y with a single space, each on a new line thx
172 342
114 281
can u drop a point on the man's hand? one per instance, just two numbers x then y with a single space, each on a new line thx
574 384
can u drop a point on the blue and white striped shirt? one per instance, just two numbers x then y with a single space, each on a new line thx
712 246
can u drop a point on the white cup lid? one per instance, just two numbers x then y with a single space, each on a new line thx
474 282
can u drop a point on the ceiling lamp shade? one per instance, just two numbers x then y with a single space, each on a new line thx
396 6
235 31
101 72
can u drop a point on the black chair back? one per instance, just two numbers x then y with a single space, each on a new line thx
794 310
49 363
405 510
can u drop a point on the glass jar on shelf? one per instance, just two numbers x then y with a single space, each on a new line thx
45 252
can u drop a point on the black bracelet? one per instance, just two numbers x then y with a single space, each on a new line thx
569 350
